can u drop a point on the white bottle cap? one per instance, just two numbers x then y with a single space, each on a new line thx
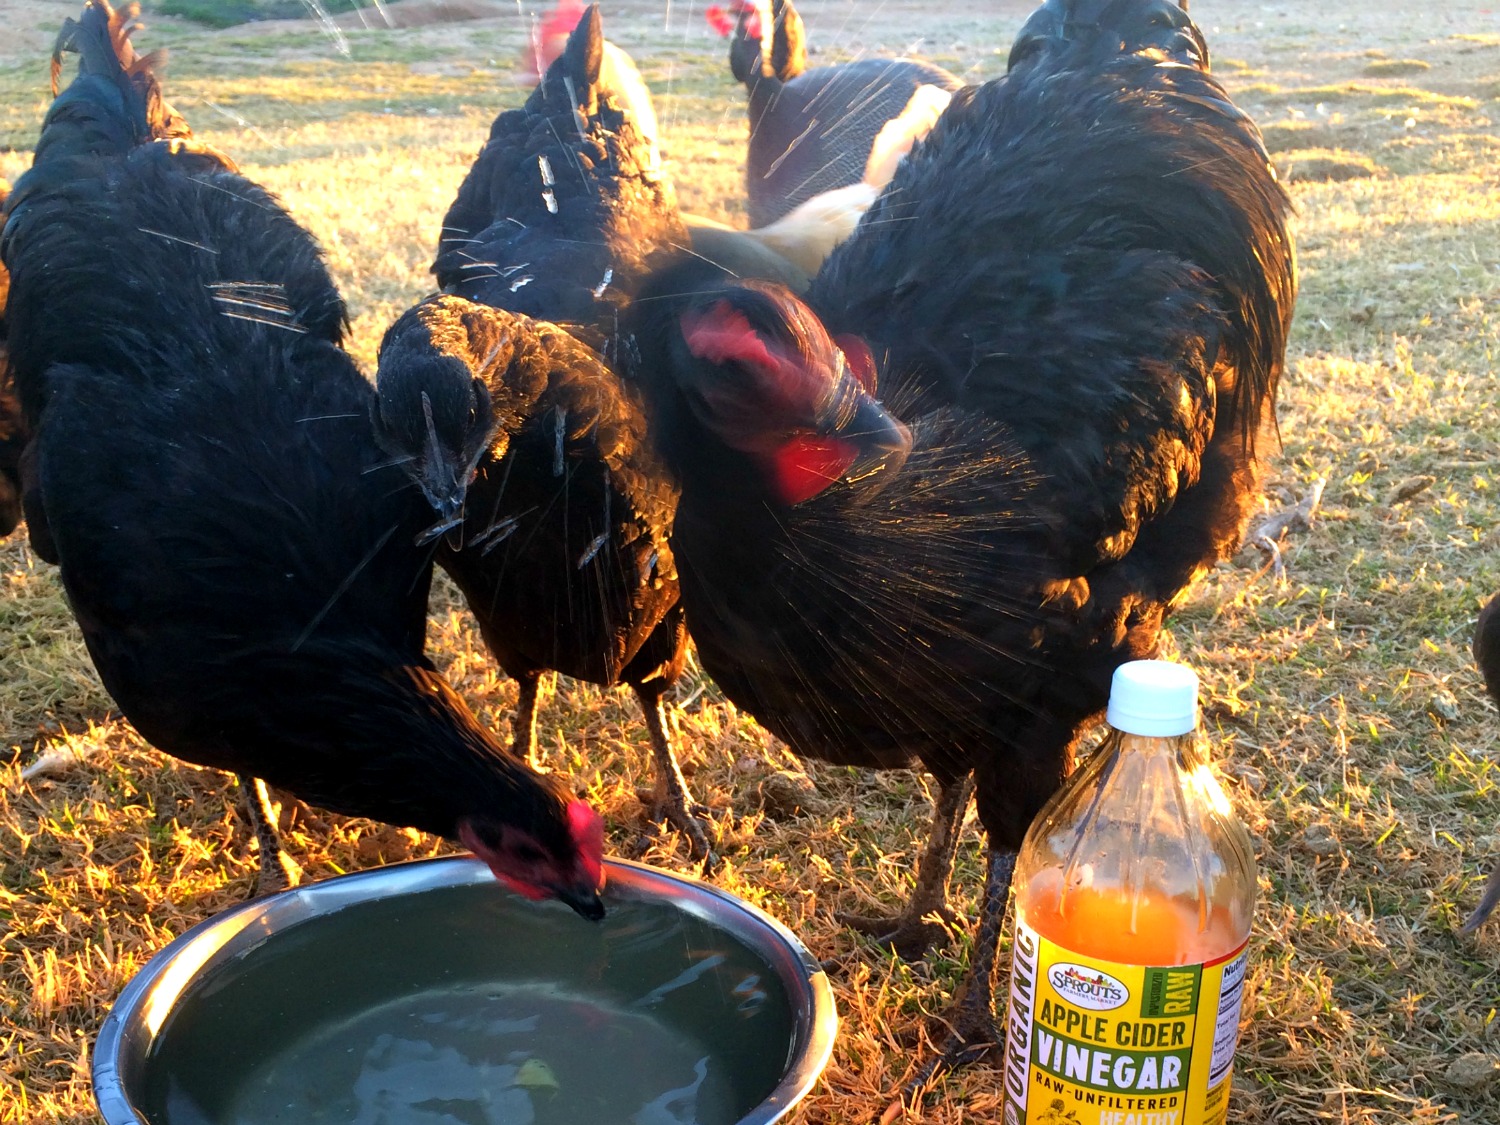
1156 698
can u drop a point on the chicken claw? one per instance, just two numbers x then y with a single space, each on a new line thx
670 801
972 1029
927 921
909 934
691 819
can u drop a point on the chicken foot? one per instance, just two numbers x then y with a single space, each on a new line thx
1267 536
911 932
277 871
970 1020
671 801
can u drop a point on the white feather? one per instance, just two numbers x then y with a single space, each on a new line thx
806 235
52 762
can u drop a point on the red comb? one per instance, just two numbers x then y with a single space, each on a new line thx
721 334
549 38
751 14
564 18
719 20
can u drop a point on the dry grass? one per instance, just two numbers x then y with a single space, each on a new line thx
1356 735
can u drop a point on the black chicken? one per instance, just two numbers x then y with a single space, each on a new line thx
1073 303
1487 656
564 556
240 560
566 207
520 434
12 443
12 432
811 131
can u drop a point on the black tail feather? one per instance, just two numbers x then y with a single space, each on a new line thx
787 38
101 39
115 102
112 109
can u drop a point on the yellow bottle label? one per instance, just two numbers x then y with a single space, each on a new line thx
1092 1042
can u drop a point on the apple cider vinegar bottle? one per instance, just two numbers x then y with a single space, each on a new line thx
1135 889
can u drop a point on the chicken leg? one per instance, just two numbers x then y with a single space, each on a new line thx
670 800
523 726
909 933
277 871
970 1020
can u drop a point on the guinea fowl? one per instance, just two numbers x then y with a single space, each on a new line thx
1487 656
1072 305
521 435
237 553
812 131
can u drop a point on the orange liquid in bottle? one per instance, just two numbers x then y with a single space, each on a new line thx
1115 925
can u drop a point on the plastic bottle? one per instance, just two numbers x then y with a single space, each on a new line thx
1135 889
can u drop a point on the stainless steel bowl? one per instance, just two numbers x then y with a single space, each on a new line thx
137 1033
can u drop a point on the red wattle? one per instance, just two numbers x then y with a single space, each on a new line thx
807 465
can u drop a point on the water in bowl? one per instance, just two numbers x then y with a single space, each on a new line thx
468 1006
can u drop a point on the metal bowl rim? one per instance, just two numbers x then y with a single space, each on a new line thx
811 997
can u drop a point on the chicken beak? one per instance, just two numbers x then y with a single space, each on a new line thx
449 523
880 441
883 441
443 484
585 902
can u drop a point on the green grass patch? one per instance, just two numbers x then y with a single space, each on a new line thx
1343 93
229 13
